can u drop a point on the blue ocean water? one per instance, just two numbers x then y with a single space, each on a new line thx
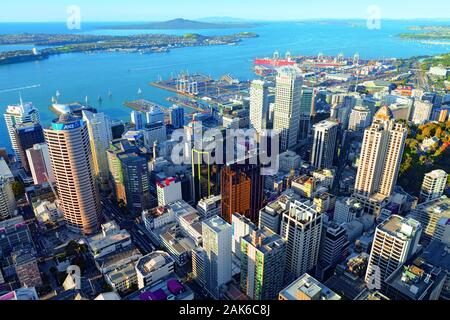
79 75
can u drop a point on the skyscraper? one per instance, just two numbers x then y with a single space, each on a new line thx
216 234
205 175
324 144
15 114
71 158
242 190
40 165
306 106
27 134
433 186
287 106
7 200
263 254
381 156
100 134
259 105
395 241
177 117
136 181
301 228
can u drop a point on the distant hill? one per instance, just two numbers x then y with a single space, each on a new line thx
222 20
180 24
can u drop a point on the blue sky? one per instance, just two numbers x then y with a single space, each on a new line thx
147 10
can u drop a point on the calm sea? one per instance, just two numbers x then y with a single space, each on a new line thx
76 76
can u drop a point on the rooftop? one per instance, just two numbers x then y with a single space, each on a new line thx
308 288
264 240
153 261
403 228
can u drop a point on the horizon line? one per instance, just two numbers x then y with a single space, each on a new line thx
244 20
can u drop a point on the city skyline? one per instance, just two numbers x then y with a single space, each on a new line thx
222 164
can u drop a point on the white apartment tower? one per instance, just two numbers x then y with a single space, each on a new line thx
433 186
259 105
301 228
288 95
381 156
395 241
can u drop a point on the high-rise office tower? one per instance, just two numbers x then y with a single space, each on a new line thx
205 175
242 190
40 165
259 105
324 144
359 118
381 156
136 181
177 117
15 114
433 186
333 248
301 228
137 119
288 94
263 254
27 134
216 234
7 200
395 241
100 134
306 104
71 158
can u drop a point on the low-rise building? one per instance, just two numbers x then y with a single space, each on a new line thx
123 279
307 288
109 240
153 267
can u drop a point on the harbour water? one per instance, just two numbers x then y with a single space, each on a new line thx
79 75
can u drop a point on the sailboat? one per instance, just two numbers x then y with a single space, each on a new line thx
100 99
139 91
110 93
86 100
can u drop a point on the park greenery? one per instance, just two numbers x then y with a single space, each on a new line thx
417 161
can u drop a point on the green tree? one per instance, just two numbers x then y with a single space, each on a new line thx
18 189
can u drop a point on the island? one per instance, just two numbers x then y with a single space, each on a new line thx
181 24
427 33
74 43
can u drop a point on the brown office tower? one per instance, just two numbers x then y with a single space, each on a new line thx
71 159
242 191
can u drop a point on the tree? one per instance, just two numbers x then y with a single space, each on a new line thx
18 189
